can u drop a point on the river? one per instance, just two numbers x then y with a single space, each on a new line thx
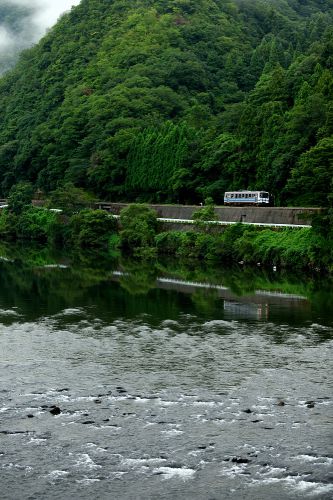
162 381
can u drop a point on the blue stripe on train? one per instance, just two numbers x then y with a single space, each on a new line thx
244 200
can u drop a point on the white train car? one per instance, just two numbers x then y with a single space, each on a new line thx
241 198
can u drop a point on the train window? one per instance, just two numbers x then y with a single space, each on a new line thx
264 195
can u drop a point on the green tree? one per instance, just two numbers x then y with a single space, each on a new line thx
69 199
138 230
91 228
311 181
158 159
20 197
204 217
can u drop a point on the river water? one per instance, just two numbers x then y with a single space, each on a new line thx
172 382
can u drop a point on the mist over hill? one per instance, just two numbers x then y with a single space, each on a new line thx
175 100
23 22
15 32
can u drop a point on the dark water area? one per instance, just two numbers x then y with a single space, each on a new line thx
172 380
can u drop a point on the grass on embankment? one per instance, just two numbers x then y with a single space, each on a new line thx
293 248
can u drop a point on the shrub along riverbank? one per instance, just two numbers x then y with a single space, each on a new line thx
139 233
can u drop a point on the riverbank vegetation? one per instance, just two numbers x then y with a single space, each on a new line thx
175 101
288 248
138 233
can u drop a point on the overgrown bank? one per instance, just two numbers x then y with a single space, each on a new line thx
139 233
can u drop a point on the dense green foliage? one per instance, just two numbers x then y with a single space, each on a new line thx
32 223
138 229
91 228
204 217
20 197
189 245
36 224
85 229
296 249
69 198
139 235
157 161
175 100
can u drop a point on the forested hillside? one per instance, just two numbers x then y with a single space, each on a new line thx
176 100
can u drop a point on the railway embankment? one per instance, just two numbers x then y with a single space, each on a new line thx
254 215
175 230
259 215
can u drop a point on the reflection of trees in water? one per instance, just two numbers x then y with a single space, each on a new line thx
34 289
32 255
40 281
240 280
137 284
138 276
34 279
205 300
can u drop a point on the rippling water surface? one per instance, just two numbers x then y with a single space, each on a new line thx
182 389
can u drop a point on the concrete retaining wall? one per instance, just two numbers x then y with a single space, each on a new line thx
268 215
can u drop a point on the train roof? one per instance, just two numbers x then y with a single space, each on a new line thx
248 191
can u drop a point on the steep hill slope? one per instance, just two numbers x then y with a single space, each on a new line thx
171 100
